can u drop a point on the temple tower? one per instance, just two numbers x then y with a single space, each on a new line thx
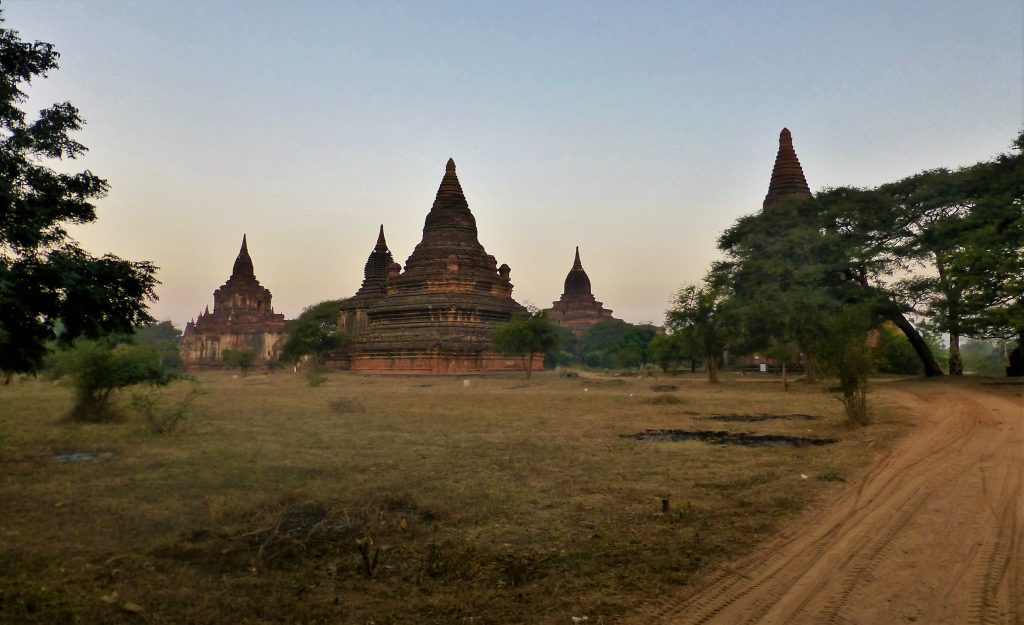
577 309
787 176
242 318
435 315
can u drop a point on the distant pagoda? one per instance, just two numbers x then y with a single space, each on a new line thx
436 315
242 319
577 309
787 176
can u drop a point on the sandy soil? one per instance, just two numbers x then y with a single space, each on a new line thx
933 533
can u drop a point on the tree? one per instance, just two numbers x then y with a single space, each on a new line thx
848 356
99 368
669 351
312 336
700 317
527 336
165 339
615 343
44 276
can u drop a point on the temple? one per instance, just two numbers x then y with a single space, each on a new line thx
242 319
787 176
577 309
436 315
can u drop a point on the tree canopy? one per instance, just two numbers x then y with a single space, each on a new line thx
527 336
314 334
45 277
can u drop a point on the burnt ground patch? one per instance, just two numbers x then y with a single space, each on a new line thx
757 418
729 438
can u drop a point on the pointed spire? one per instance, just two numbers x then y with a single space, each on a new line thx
243 264
577 282
450 211
787 176
375 271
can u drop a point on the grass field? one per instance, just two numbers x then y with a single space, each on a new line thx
400 499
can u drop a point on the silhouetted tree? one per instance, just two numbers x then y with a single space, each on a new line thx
44 275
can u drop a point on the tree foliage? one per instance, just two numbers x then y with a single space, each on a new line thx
165 339
526 337
700 317
313 335
44 275
616 343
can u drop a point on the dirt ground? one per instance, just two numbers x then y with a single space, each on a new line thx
933 533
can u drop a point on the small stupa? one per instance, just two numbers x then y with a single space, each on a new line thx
787 176
436 315
577 308
242 319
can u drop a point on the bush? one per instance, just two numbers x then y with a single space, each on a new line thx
99 368
241 358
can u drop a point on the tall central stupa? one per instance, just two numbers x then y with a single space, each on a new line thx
436 315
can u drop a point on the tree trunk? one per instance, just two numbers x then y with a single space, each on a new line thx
785 382
931 367
712 367
529 365
891 312
956 364
810 368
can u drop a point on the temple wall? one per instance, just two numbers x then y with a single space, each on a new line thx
440 363
203 349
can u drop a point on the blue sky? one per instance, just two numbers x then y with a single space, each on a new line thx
638 131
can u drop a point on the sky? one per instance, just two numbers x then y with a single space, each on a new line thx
638 131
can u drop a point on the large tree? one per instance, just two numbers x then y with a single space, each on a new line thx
46 280
700 315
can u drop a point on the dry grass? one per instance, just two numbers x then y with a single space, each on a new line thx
399 499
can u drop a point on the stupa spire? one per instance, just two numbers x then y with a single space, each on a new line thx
382 245
450 227
243 264
577 282
787 176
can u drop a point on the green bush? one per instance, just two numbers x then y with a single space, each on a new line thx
99 368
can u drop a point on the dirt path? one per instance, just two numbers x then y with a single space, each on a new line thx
932 534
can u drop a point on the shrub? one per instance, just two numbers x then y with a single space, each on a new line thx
99 368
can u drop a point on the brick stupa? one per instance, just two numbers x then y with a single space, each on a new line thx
787 176
242 319
436 315
577 309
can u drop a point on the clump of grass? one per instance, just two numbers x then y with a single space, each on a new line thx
831 476
663 400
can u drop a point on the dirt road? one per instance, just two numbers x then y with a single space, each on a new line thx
932 534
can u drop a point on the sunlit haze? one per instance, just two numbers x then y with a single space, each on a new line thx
635 130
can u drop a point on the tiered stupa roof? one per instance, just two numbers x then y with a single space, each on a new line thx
787 176
375 271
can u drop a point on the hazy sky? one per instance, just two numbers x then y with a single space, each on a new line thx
636 130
